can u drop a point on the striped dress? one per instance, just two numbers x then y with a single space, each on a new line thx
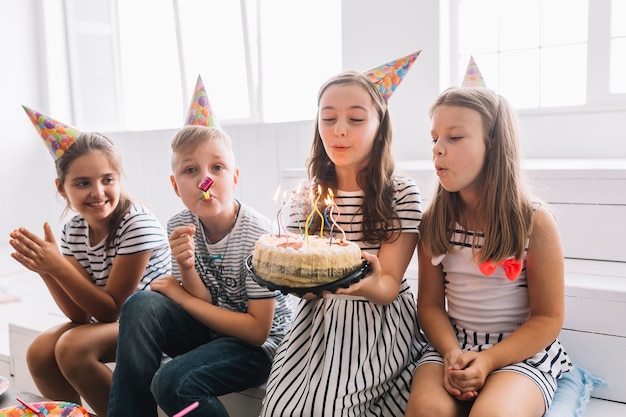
343 355
139 231
486 309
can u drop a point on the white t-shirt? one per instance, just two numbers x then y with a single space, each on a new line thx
139 231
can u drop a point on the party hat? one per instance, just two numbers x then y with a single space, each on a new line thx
200 111
388 76
473 77
57 136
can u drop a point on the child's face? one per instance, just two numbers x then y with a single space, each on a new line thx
348 123
458 147
212 158
92 187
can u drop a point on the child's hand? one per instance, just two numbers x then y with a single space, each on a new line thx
38 255
365 286
169 287
448 383
468 374
182 245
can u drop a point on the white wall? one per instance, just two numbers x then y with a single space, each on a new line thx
373 33
26 169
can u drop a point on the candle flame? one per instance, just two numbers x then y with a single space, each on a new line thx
276 194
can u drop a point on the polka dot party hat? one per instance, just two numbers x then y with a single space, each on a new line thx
473 77
200 111
57 136
388 76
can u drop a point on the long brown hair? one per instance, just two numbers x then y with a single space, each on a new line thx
376 179
504 205
83 145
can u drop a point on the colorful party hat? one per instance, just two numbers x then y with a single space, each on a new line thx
473 77
200 111
388 76
57 136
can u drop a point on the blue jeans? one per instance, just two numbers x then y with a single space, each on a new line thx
204 365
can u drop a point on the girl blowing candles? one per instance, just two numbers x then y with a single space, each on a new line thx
110 249
353 352
490 295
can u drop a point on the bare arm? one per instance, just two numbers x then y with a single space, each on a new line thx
70 286
431 306
382 285
252 327
183 251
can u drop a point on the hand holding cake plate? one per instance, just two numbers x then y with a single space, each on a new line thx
344 282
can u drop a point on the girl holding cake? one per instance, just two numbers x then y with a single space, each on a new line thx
112 248
490 271
353 352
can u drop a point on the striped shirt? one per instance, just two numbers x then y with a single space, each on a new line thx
349 217
221 266
139 231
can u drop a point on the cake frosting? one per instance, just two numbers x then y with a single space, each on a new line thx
295 261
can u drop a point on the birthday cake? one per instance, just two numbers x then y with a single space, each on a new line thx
293 261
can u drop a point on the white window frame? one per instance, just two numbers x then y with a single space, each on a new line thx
599 98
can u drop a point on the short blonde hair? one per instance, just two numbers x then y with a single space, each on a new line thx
190 137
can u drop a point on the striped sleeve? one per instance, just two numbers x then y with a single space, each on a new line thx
140 231
407 202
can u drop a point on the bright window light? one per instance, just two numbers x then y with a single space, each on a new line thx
618 65
527 50
301 48
149 68
212 38
618 47
563 72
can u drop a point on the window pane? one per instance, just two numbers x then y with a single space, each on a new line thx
564 75
149 65
618 65
618 22
213 47
478 26
519 77
299 53
519 24
563 21
93 83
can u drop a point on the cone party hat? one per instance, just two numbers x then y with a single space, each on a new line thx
57 136
473 77
388 76
200 111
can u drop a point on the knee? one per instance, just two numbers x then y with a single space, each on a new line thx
424 406
40 354
144 305
72 350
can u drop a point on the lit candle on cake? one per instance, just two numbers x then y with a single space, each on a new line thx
314 210
317 209
281 224
333 205
329 203
275 201
297 195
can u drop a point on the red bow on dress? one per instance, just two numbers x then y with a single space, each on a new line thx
512 268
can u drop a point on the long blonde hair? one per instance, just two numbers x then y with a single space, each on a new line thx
505 208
